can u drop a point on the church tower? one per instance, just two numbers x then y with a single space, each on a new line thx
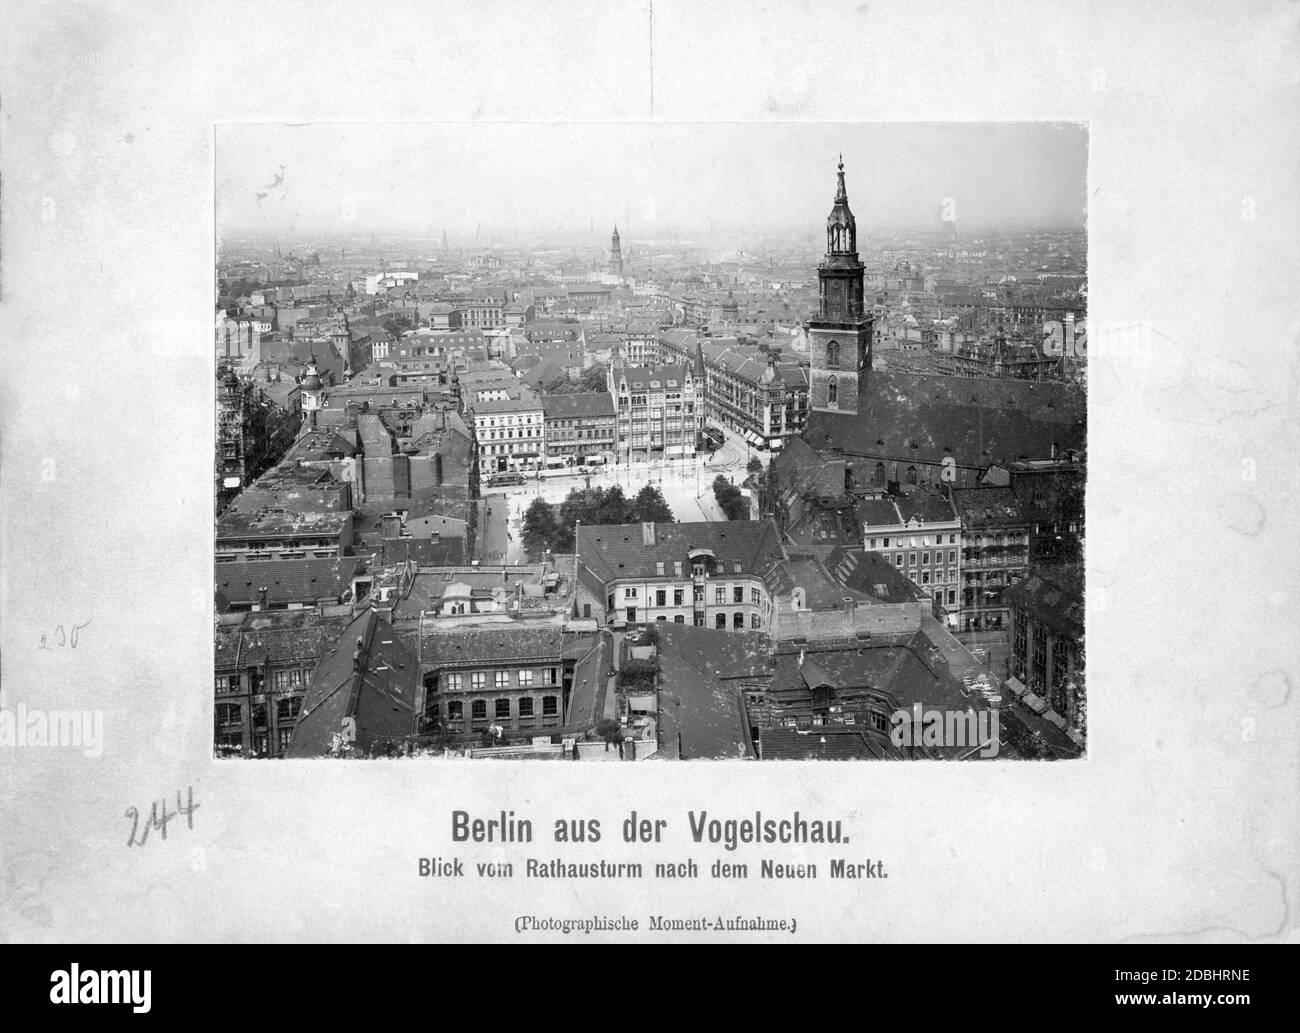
839 338
615 254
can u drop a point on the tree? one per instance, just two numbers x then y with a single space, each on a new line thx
541 530
595 378
397 325
733 504
755 466
614 507
610 730
650 505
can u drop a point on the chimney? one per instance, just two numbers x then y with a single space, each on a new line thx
437 466
261 598
1053 452
648 532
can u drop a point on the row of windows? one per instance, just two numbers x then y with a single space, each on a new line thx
281 681
924 558
911 541
285 710
501 708
524 678
940 577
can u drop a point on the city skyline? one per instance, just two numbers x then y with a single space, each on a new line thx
471 179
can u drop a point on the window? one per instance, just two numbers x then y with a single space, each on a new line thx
679 619
631 614
884 543
911 561
525 678
287 708
629 593
720 622
911 475
526 707
952 539
502 679
284 735
699 620
952 555
755 597
871 543
661 596
455 682
677 597
833 355
719 596
478 681
455 710
737 621
550 706
550 676
898 559
502 708
952 596
755 621
229 713
586 609
925 578
925 559
738 594
833 392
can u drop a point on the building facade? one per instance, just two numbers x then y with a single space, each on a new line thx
510 433
707 575
579 428
659 411
921 535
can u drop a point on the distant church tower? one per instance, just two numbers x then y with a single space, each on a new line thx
615 254
839 338
313 393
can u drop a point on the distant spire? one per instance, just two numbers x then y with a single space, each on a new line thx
841 194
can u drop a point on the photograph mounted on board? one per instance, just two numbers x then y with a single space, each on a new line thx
624 442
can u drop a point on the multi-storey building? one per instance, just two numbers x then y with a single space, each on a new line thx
659 410
579 428
1047 640
264 664
510 675
921 535
995 553
709 575
510 433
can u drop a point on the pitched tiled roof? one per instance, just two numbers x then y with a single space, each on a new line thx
275 637
286 581
1054 597
612 551
507 642
828 742
374 683
913 415
577 405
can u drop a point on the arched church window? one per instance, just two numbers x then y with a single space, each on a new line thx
911 475
833 393
833 353
880 475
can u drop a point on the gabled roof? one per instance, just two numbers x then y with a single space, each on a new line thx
286 581
982 421
369 676
611 551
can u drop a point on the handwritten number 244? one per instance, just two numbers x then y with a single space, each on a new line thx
159 816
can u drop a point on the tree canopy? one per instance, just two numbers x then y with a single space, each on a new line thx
545 527
733 503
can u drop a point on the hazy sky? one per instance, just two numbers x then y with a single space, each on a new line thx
539 177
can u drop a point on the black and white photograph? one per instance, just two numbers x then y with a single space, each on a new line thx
676 442
406 406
